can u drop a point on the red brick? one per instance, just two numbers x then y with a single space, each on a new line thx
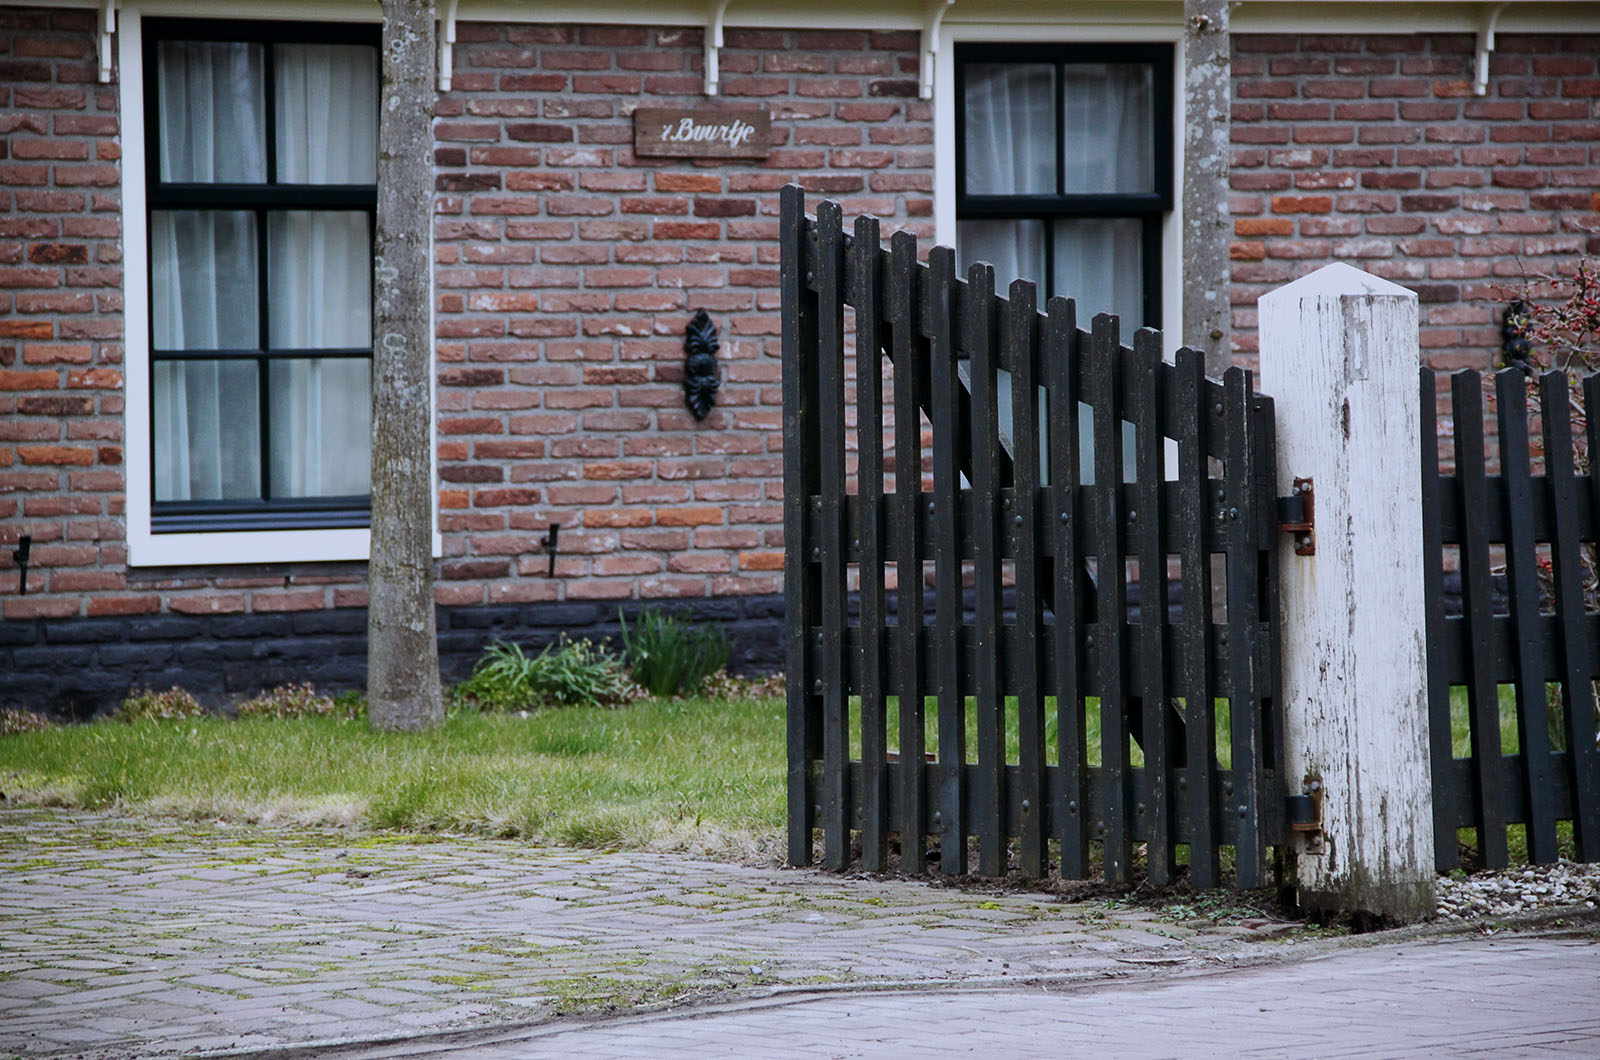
1301 204
302 600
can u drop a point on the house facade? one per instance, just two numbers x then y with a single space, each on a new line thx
186 206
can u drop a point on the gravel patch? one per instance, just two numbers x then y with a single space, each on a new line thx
1518 890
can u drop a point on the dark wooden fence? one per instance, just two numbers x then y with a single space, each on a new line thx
1528 631
1032 636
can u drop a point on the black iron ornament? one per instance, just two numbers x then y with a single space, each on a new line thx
1514 341
700 373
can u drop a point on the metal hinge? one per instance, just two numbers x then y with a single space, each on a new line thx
1297 515
1304 814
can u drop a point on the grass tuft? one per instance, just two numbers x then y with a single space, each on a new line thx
566 673
669 657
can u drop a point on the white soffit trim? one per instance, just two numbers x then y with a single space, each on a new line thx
1249 16
1413 16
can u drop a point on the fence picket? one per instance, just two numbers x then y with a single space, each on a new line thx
1244 610
1061 355
1116 774
950 817
1157 732
801 475
1022 342
1533 728
1483 694
869 544
989 819
1577 690
1440 753
1195 680
910 356
830 541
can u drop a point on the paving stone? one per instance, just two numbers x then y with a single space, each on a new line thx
231 937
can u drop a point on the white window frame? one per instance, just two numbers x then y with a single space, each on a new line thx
1065 32
232 547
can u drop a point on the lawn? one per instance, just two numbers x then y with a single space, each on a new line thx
698 775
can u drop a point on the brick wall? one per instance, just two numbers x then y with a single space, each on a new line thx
567 270
60 319
1374 151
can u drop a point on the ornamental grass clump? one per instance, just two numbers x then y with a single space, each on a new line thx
565 673
667 656
145 705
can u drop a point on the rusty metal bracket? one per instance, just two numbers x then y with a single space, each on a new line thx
1304 814
1297 515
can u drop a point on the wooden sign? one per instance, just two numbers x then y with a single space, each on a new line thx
702 132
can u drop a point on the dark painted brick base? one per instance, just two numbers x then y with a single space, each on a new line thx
80 667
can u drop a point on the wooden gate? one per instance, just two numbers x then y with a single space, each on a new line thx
1513 750
1101 572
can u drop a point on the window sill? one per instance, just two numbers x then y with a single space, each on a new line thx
147 549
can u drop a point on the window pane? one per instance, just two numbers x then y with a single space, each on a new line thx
319 273
203 280
207 431
1108 130
1014 248
327 113
321 438
1101 264
211 107
1011 128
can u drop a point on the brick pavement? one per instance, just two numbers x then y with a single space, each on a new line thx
124 937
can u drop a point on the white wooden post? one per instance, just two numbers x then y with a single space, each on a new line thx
1339 356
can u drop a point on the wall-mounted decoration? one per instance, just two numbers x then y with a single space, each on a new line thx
700 374
717 131
1514 342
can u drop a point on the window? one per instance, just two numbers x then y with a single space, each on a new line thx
1064 170
260 175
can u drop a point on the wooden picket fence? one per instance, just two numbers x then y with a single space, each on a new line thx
1032 630
1540 636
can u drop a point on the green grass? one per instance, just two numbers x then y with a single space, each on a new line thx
694 774
1510 737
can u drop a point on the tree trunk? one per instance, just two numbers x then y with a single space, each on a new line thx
402 647
1207 315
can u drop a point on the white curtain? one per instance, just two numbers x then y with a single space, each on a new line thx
212 113
1100 262
1010 128
1107 129
203 263
327 104
203 297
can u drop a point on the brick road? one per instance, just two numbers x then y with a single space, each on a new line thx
125 937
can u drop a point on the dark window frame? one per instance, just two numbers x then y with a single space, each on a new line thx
266 512
1149 208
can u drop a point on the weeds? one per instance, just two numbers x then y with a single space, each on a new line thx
669 657
15 719
144 705
568 672
294 701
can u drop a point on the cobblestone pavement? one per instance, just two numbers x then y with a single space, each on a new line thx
127 937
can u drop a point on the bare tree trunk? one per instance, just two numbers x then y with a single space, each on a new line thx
402 646
1206 224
